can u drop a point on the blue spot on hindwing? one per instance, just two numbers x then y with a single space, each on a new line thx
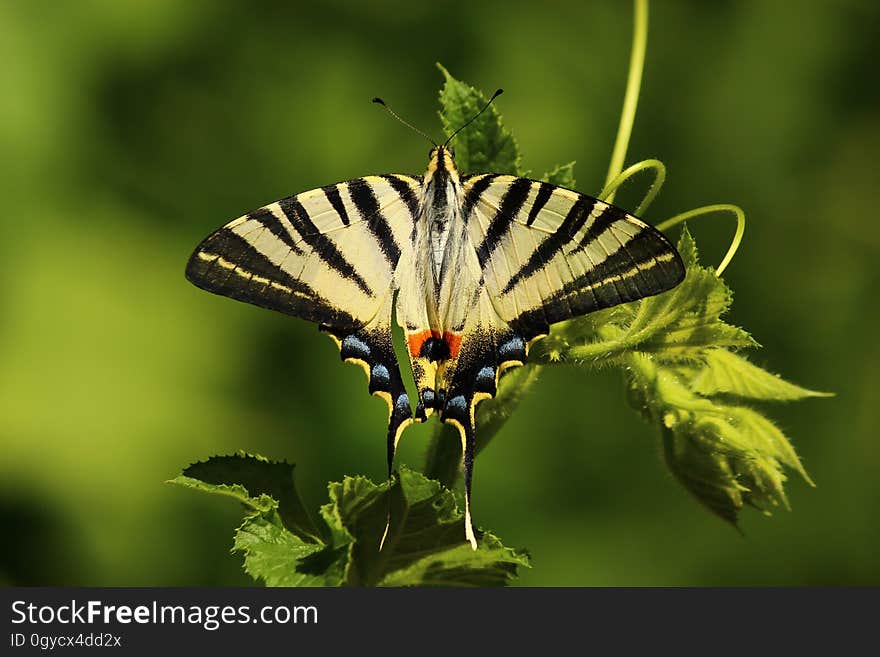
485 380
354 347
402 405
457 403
379 376
513 349
486 375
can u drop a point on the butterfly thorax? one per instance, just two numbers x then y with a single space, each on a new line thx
441 189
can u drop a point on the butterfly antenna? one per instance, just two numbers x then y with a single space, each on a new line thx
409 125
497 93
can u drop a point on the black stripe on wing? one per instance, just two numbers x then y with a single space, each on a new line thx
601 222
225 263
475 192
322 245
569 227
511 204
405 192
364 199
545 191
273 223
644 266
335 199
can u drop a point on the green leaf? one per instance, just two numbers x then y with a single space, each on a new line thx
562 175
425 541
491 565
681 375
688 316
260 504
257 477
768 440
726 455
425 544
698 468
726 373
711 455
274 555
485 145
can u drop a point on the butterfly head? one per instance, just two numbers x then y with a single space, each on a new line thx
442 159
442 171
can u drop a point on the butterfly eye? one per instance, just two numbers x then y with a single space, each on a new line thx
452 151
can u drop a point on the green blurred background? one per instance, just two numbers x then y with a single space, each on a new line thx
129 130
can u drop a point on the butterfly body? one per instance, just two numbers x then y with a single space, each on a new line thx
480 267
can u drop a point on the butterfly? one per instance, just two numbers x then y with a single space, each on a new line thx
478 265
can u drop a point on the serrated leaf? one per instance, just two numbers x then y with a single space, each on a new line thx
425 538
748 455
485 146
274 555
257 477
491 565
259 504
688 316
709 478
767 438
562 175
725 454
726 373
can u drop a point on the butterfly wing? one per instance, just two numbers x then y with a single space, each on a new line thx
548 253
328 256
541 254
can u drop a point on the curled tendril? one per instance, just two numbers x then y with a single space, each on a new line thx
659 170
710 209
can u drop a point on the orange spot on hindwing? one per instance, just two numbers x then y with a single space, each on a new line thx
454 342
417 341
431 345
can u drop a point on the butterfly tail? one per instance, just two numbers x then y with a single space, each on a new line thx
458 413
467 447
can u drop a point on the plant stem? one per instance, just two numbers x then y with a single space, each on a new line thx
443 458
631 98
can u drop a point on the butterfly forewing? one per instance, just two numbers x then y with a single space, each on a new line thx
562 254
327 255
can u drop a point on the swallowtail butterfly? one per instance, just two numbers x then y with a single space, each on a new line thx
481 266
